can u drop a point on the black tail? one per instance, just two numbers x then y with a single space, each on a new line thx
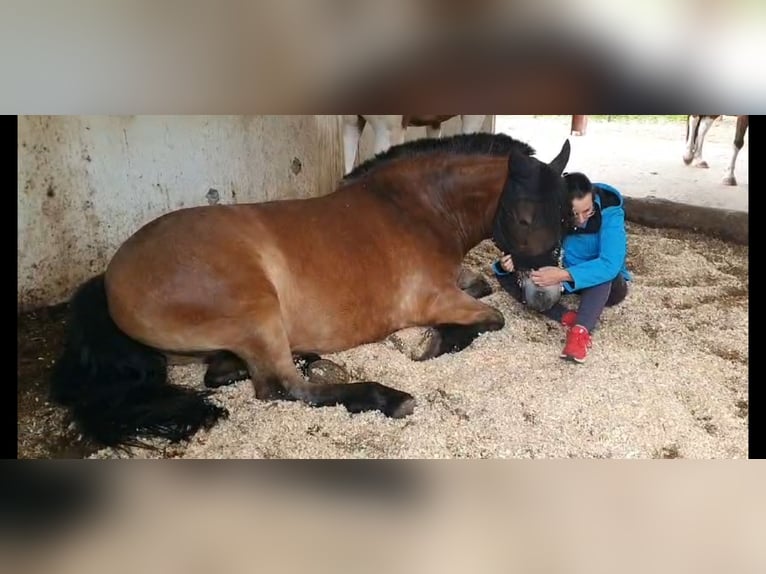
117 388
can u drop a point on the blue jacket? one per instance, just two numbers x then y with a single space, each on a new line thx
596 253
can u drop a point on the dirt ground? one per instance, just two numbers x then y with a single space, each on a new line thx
643 158
667 376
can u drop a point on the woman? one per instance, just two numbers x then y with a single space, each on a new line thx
593 263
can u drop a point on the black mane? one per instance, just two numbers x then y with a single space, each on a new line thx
480 143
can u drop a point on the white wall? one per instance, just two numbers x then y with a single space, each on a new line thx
86 183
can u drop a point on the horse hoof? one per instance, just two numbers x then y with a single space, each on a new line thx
428 347
702 164
687 160
393 403
324 372
729 181
405 409
213 381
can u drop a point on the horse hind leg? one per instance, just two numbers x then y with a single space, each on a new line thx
225 368
116 388
739 141
692 125
459 319
266 351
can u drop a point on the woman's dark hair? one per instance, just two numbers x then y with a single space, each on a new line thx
578 185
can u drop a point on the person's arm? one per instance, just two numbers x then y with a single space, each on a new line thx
507 279
499 271
614 245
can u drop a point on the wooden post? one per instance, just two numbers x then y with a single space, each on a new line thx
579 125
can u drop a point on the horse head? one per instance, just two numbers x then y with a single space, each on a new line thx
530 218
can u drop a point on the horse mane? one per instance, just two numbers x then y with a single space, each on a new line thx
479 143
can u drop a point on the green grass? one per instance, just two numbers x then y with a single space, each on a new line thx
636 118
639 118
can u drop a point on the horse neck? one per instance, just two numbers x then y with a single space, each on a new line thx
459 193
462 191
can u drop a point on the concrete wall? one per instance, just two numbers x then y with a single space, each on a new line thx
86 183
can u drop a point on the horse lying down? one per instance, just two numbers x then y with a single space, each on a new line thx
252 288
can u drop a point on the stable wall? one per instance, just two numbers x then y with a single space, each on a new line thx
85 183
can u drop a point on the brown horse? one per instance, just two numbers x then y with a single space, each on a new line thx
249 288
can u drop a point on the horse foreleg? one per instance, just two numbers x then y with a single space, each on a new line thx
739 141
266 351
474 284
458 319
705 123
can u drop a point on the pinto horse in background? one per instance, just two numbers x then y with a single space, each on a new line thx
390 130
252 288
697 128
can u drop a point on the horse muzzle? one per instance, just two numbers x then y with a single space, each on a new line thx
539 298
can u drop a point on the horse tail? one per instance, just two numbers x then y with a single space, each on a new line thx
115 387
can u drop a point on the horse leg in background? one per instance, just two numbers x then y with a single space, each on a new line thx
472 124
692 123
697 129
266 351
353 125
225 368
388 132
474 284
739 141
458 320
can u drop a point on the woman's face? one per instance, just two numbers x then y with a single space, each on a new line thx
583 209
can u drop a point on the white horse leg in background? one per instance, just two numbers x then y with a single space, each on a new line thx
739 141
434 132
472 124
389 131
469 125
352 132
697 128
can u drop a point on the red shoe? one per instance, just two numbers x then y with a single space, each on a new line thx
578 343
568 319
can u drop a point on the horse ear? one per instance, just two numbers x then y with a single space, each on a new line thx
561 160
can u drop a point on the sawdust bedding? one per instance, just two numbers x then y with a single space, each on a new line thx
667 378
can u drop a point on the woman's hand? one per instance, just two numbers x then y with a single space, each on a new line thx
506 263
549 276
